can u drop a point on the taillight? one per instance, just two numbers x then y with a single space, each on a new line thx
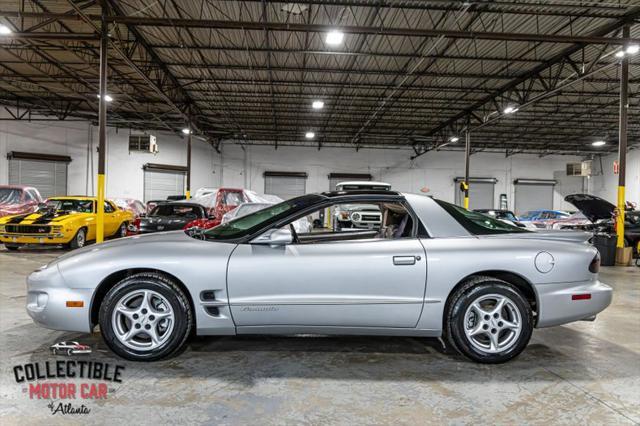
594 266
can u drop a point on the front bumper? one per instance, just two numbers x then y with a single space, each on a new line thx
47 297
556 307
58 238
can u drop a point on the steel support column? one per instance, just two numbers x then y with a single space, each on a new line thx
189 164
467 155
102 126
622 142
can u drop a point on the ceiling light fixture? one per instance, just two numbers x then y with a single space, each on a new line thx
334 37
599 143
309 135
106 98
510 110
454 139
317 105
4 30
186 131
620 54
632 49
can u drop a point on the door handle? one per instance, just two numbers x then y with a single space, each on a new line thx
404 260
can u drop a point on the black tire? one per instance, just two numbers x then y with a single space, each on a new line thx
166 287
69 352
461 300
12 247
79 240
122 230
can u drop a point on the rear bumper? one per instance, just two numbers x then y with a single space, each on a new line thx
556 306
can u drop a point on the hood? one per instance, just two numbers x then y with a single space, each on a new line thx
594 208
137 241
554 235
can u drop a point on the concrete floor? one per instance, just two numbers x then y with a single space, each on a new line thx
584 373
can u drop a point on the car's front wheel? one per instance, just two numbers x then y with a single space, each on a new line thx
12 247
146 317
488 320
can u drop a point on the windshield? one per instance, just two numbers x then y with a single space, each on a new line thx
10 195
81 206
478 223
233 198
253 222
179 210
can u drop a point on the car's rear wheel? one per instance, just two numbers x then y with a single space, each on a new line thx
488 320
122 230
12 247
79 240
146 317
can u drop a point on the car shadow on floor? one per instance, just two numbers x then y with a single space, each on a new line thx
245 359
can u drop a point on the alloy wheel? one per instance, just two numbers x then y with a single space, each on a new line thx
143 320
492 323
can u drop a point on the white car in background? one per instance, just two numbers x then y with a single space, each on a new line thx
359 216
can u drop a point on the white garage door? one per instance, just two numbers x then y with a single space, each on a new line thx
336 178
49 177
533 195
159 184
285 186
481 193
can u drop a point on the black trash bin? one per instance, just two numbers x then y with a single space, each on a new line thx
606 245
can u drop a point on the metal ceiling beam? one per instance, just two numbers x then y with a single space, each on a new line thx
50 36
133 21
535 72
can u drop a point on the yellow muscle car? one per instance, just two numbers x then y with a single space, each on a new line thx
65 220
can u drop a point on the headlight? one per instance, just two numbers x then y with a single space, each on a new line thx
2 228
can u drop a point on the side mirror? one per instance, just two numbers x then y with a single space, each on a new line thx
275 237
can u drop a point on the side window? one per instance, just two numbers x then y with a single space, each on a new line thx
108 208
28 196
356 221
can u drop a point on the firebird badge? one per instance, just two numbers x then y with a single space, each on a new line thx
259 309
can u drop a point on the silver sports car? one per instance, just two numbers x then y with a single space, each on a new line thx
429 269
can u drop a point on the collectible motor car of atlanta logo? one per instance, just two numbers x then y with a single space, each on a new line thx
64 381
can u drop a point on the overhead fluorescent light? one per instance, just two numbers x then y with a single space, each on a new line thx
599 143
620 54
5 30
309 135
317 104
510 110
334 37
186 131
454 139
106 98
632 49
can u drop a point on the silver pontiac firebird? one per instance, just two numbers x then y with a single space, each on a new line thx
430 269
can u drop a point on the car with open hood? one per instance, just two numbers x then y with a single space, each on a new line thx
69 220
601 216
431 269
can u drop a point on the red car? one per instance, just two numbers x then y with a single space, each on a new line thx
18 199
134 206
218 203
